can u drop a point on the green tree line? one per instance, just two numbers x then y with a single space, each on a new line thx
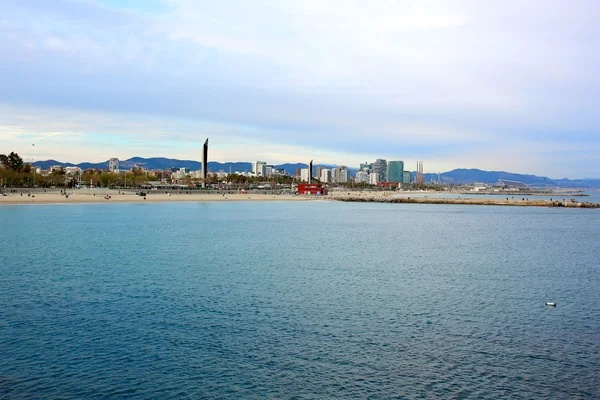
15 173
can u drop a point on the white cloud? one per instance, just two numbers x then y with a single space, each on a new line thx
53 43
407 79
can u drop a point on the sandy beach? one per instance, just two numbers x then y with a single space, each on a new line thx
91 196
78 198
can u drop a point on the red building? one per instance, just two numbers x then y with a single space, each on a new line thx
387 185
311 188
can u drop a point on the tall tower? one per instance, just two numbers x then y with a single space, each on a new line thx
419 178
310 172
204 163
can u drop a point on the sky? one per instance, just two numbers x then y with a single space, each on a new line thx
509 85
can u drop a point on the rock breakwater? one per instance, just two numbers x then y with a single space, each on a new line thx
387 198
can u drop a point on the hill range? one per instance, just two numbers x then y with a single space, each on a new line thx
456 176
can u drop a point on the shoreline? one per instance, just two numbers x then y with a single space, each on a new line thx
359 197
78 198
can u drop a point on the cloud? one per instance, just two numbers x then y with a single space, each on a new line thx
398 79
53 43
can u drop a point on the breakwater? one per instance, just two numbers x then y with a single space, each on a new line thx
524 202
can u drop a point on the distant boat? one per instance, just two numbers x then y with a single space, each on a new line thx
551 304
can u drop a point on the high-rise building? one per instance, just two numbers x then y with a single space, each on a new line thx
259 168
362 176
298 172
335 175
367 166
395 171
320 169
407 177
374 178
380 167
343 174
113 165
325 176
304 175
419 178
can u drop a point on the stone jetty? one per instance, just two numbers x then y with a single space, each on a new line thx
389 197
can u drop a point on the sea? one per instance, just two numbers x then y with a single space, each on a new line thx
592 196
298 300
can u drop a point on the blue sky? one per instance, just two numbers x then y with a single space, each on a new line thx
506 85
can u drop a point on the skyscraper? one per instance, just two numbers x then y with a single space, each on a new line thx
395 171
362 176
420 178
320 169
204 163
368 166
305 175
374 178
259 168
343 174
407 177
335 175
380 168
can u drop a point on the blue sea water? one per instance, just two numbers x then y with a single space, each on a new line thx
592 196
308 300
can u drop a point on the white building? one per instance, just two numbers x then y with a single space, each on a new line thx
113 165
362 176
259 168
325 175
304 175
181 173
343 174
373 178
335 175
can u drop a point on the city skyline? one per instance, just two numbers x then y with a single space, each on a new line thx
484 85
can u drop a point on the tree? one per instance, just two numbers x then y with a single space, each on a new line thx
12 161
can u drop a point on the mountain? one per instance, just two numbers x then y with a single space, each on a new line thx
476 175
454 176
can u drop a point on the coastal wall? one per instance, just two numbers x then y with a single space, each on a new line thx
366 197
